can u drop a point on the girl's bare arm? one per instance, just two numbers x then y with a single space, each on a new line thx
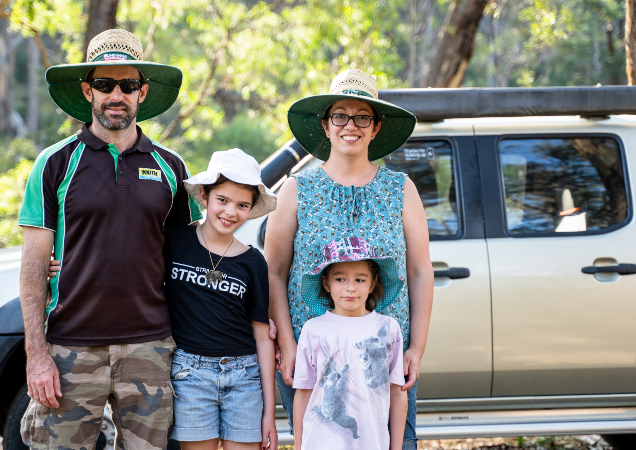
397 416
265 356
301 399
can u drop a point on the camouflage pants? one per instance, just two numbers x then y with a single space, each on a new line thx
133 378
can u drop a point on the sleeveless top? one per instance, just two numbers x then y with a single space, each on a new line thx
326 213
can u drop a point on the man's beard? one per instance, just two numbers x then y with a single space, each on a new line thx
114 123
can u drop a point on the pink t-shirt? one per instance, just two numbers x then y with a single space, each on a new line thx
350 363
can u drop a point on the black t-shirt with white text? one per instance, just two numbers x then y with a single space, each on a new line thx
213 320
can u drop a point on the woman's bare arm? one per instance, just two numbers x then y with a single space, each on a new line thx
420 275
279 252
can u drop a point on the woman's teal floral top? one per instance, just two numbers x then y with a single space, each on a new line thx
328 211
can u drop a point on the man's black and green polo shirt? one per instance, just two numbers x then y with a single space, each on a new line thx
108 212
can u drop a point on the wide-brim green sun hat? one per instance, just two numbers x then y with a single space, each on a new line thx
350 249
305 116
114 48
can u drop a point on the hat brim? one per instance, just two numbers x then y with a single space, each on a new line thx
65 87
389 276
305 121
265 204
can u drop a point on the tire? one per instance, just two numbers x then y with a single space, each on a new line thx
621 441
12 440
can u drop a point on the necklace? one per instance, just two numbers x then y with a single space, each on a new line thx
214 275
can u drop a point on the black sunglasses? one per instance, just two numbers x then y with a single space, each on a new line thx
106 85
341 120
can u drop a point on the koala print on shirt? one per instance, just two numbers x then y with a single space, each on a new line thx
333 406
375 357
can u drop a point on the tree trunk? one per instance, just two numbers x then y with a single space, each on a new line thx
607 162
456 44
33 66
410 64
102 16
6 75
630 41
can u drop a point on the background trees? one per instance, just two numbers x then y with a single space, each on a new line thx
245 62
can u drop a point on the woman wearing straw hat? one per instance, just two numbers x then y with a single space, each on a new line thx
349 195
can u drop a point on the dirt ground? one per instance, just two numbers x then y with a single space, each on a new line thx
521 443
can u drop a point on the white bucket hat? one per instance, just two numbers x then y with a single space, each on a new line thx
239 167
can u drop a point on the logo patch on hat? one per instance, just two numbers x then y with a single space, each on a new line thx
149 174
114 57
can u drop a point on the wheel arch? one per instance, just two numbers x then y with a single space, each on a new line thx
12 355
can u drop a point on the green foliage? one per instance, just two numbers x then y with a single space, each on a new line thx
254 135
17 150
262 61
245 62
12 185
65 18
550 43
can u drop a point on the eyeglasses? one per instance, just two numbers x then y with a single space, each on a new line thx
106 85
341 120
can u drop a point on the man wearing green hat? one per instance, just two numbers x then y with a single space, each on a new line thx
101 199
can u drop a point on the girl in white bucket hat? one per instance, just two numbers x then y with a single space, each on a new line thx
217 291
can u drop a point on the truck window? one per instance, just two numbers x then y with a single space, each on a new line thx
430 165
562 185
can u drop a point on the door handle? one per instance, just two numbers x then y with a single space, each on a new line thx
621 269
453 273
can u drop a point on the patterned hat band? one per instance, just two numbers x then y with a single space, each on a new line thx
356 92
113 56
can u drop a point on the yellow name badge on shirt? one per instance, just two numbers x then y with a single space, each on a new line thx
149 174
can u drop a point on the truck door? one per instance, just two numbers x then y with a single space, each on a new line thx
458 358
560 233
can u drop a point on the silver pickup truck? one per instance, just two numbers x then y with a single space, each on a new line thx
530 210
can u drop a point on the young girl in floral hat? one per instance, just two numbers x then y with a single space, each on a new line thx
349 374
217 291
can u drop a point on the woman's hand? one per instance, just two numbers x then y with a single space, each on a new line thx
273 331
412 361
270 435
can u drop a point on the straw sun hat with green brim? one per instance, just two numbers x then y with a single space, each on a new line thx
305 116
113 48
347 250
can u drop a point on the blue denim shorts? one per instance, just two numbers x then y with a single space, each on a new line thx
216 398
